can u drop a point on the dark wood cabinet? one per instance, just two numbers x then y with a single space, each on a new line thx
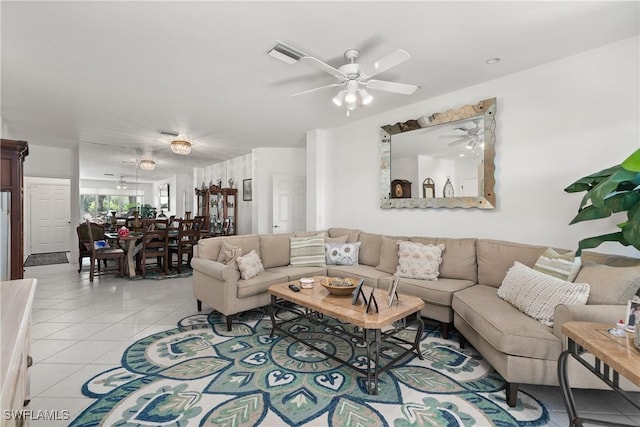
219 206
11 171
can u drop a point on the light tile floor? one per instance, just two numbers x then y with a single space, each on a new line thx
80 329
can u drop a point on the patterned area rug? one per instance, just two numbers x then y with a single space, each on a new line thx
156 274
199 374
46 259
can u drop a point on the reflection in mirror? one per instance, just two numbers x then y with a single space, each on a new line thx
441 160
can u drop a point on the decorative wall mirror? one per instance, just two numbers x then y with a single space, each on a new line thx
165 201
453 152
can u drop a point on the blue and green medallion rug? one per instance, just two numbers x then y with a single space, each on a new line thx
200 374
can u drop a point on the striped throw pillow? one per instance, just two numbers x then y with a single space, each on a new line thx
307 251
537 294
564 266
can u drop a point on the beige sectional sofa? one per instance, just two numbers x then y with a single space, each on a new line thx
520 348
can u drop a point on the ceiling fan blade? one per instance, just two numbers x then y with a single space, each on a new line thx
304 92
394 87
325 67
459 141
452 136
389 61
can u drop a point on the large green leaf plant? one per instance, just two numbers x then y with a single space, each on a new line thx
615 189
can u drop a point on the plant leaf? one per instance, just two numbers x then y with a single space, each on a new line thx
594 242
591 212
588 182
632 163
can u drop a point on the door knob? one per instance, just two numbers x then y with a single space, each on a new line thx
276 226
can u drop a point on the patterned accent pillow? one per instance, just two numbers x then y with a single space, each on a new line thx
342 253
229 255
537 294
419 261
307 251
250 265
563 266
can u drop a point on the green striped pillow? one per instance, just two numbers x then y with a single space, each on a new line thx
563 266
307 251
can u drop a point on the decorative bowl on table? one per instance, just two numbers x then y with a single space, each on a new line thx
337 286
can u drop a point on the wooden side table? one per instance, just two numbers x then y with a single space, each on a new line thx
614 356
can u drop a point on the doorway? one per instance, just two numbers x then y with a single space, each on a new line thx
289 203
49 217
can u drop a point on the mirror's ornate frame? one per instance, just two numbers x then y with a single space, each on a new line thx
486 109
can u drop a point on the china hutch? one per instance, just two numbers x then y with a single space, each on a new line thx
219 206
11 196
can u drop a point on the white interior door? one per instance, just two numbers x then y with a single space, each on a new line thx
50 218
289 203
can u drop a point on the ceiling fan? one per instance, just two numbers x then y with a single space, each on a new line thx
473 136
354 79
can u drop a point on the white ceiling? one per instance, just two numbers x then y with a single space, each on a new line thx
115 73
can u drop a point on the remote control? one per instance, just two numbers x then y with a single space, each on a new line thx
294 288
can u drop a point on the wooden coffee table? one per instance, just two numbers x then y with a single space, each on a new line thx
614 356
376 327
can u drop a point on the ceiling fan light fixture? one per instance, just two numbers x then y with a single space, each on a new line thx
350 97
181 146
122 185
339 98
365 97
147 164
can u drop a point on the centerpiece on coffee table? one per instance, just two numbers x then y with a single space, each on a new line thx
339 286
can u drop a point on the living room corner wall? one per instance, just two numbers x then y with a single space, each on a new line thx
555 123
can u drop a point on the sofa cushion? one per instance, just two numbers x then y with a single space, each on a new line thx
458 258
339 239
436 292
341 253
609 285
506 328
308 233
537 294
247 242
389 253
563 265
352 235
274 249
209 248
229 255
295 273
307 251
369 249
250 265
495 257
418 261
259 284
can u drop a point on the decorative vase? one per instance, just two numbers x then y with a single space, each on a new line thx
230 182
113 218
448 189
137 223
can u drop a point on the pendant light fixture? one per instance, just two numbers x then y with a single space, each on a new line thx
147 164
122 185
181 146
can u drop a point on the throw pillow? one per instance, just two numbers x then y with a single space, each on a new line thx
342 253
100 244
250 265
418 261
563 266
538 294
610 285
307 251
229 255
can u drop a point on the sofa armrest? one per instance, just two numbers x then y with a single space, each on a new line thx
587 313
215 269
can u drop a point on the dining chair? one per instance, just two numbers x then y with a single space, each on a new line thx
103 254
155 241
83 239
188 236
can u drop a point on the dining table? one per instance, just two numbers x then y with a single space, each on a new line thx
131 247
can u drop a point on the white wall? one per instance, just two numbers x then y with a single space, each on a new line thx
266 163
49 162
555 123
